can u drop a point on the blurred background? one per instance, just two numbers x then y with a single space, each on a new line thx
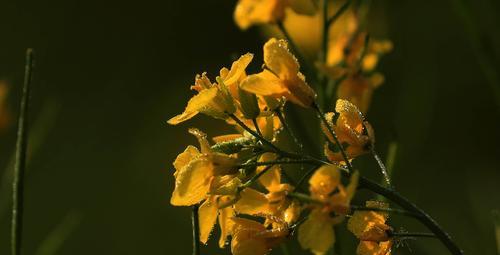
110 73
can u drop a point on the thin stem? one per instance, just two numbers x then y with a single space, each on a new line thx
20 161
287 128
306 175
424 218
196 230
304 198
341 10
389 210
321 115
254 121
324 43
411 234
281 162
382 168
257 176
249 130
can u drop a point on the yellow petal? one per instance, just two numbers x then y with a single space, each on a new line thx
304 7
324 181
226 138
195 105
370 225
226 185
237 69
279 59
374 248
251 12
252 202
226 224
264 83
192 183
202 139
272 178
183 159
207 215
316 233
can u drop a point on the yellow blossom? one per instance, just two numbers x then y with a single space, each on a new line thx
253 238
374 248
282 77
215 99
353 132
370 225
371 229
256 12
316 233
216 207
273 205
196 172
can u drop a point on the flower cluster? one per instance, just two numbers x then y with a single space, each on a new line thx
240 181
223 178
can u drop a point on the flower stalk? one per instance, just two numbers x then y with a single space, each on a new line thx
20 159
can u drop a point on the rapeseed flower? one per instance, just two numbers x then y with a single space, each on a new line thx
281 77
355 135
273 205
371 229
253 238
215 99
316 233
257 12
198 172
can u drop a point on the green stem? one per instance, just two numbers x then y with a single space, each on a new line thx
196 230
324 42
410 234
382 168
389 210
20 162
337 15
281 162
423 217
257 176
306 175
254 121
287 128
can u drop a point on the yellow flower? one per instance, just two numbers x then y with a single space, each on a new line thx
196 172
4 114
281 78
255 12
353 132
273 205
374 248
216 207
253 238
215 99
371 228
370 225
316 233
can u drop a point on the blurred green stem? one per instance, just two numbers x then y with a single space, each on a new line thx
476 40
56 238
196 230
20 162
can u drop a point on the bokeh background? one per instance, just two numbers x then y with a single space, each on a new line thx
110 73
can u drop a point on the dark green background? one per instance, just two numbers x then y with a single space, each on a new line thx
110 73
